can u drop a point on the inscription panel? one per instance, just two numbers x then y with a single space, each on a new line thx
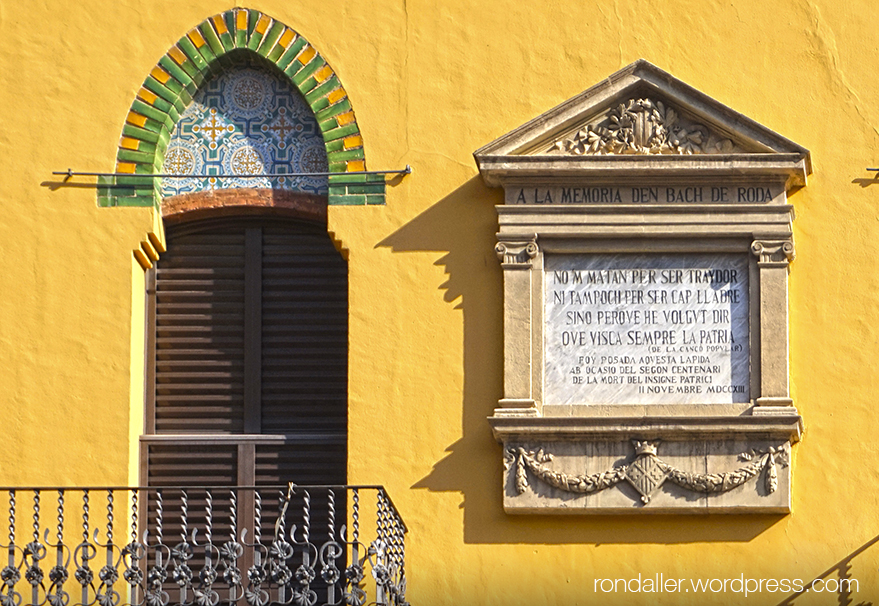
690 193
646 329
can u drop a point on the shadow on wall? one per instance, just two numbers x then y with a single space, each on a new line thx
867 182
839 581
464 225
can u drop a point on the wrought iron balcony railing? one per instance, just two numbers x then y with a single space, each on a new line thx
111 546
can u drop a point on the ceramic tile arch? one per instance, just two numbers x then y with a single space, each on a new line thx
202 56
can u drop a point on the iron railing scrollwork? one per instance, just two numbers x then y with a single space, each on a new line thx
203 546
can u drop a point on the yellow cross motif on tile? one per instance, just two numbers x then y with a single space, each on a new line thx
281 127
213 128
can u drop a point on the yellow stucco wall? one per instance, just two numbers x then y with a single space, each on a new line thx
431 82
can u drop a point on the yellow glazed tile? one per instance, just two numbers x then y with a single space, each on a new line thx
129 143
323 73
353 141
136 119
195 36
178 55
346 118
336 96
147 95
306 55
161 75
287 37
219 24
263 24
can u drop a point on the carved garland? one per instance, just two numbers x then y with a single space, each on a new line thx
643 126
648 472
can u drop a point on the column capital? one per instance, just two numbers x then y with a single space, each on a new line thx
517 253
771 253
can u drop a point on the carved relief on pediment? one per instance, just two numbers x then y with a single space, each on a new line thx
643 126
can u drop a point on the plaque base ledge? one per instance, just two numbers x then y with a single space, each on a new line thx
788 427
774 402
703 510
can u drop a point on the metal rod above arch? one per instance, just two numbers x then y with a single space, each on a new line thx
70 173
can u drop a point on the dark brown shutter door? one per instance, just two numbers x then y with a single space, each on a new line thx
187 466
305 359
304 334
251 331
317 461
192 465
200 333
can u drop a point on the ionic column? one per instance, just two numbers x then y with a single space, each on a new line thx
773 259
516 261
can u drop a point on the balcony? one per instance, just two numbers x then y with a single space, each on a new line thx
205 545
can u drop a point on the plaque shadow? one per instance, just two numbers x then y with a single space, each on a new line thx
462 228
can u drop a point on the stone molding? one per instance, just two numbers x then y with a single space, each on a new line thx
753 151
785 424
647 472
564 227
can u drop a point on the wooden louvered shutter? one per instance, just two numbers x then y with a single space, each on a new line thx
199 334
248 356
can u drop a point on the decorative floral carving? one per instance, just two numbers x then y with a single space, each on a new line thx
182 575
712 482
133 576
34 575
256 597
62 598
647 472
643 126
771 475
58 575
581 484
305 575
157 598
108 575
354 573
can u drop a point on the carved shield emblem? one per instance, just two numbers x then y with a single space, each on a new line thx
646 476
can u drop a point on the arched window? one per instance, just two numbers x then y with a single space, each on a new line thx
247 338
247 311
247 308
224 61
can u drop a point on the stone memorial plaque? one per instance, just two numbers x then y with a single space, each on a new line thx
629 384
646 329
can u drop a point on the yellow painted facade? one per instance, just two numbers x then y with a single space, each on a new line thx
430 83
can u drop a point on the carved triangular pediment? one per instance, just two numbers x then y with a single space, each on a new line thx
643 119
646 124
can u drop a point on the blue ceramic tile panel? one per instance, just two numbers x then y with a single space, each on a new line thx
247 120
